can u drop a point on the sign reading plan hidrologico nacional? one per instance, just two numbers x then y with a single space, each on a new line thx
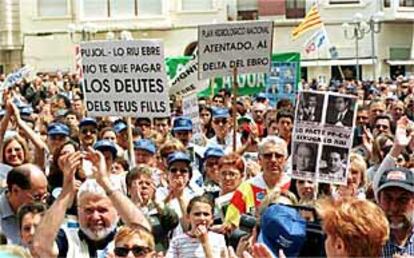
125 78
222 47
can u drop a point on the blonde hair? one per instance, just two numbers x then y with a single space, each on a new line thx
360 224
126 232
358 163
172 144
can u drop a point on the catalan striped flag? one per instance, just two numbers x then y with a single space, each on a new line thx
312 20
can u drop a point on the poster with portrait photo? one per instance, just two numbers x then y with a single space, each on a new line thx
310 107
281 82
333 164
342 111
304 160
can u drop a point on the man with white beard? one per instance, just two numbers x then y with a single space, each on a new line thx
99 207
395 195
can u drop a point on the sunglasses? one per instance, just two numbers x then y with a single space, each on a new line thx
270 155
220 121
385 127
87 130
181 170
136 251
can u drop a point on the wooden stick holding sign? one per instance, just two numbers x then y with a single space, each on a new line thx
130 143
234 108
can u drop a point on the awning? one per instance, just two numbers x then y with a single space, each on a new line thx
400 62
309 63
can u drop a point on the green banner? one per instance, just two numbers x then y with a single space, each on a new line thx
249 84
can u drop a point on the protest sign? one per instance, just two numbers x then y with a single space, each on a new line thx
246 46
125 78
191 110
16 76
322 136
187 81
283 80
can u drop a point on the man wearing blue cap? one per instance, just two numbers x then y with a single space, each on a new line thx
183 130
145 151
57 134
221 126
88 132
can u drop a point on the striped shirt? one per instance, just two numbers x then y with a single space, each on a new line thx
186 246
391 248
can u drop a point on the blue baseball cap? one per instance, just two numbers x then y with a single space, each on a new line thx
182 123
58 129
178 156
214 151
221 113
88 121
146 145
26 111
106 145
261 96
282 227
119 126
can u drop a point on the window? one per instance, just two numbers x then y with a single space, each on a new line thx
149 7
196 5
343 1
247 15
407 3
387 3
95 8
295 9
52 8
121 9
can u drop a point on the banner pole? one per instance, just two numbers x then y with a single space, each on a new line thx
234 108
211 86
130 143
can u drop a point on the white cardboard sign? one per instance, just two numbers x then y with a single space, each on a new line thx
125 78
246 46
187 81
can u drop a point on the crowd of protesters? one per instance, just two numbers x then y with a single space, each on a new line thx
71 188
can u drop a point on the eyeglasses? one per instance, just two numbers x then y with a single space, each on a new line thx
211 163
88 130
41 197
136 251
220 121
181 170
229 174
270 155
57 137
379 127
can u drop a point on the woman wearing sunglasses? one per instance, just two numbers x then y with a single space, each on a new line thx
134 242
178 192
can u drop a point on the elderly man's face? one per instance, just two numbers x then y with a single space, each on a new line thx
398 205
97 216
272 161
304 158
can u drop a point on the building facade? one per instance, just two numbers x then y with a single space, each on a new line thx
44 33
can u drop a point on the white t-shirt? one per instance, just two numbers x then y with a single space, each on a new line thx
186 246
